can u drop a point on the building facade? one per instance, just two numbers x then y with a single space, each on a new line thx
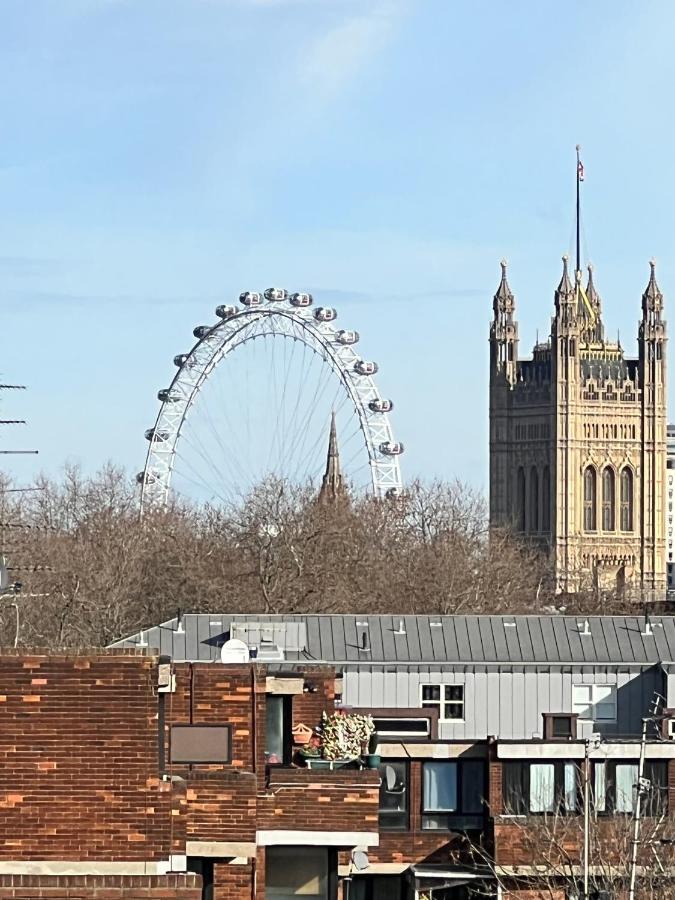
578 440
670 516
489 727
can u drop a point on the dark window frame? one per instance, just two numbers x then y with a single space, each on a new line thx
399 817
460 819
286 701
518 773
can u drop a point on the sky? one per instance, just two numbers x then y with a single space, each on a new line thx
157 157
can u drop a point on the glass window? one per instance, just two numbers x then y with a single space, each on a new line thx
394 796
625 786
550 787
546 499
608 500
589 499
594 702
452 794
534 500
542 787
627 500
278 742
296 872
599 786
448 699
440 787
520 499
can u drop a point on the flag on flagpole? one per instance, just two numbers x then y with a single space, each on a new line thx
580 170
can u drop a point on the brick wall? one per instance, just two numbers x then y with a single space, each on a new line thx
232 882
102 887
221 806
79 774
319 800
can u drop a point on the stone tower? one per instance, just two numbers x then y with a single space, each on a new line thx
578 440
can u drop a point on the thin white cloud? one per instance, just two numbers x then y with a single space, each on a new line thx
338 56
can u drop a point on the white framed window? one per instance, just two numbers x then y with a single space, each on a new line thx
595 702
448 699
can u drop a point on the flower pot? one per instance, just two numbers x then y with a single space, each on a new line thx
373 760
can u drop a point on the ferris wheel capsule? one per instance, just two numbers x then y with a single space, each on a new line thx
167 396
391 448
301 300
201 331
275 295
225 312
347 337
152 434
365 367
250 298
146 478
381 406
180 360
325 314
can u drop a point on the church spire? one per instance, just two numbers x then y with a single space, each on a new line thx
504 331
331 485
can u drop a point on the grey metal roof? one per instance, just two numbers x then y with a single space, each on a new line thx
415 640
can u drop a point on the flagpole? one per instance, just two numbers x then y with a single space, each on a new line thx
578 268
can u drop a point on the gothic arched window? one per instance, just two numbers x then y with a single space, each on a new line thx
626 500
520 499
534 500
546 499
589 499
608 499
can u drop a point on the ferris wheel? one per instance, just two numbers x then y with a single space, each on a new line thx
228 420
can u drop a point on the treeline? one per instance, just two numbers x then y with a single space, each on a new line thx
92 570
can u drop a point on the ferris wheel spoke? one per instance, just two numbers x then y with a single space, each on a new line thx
250 406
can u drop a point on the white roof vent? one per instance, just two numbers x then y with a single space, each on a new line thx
270 653
584 628
234 651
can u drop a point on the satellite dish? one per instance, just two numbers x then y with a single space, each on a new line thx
234 651
360 860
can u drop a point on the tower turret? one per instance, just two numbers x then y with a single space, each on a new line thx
565 307
504 332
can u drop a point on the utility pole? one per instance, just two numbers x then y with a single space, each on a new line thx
642 788
587 811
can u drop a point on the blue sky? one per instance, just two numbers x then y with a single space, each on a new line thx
159 156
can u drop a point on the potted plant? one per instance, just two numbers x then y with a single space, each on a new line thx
311 751
345 736
373 758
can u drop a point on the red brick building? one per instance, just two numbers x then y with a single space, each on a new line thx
126 776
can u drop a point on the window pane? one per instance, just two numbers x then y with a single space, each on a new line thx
600 786
454 711
393 796
473 786
581 700
625 781
274 731
290 873
570 787
431 692
513 787
440 787
454 691
542 787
